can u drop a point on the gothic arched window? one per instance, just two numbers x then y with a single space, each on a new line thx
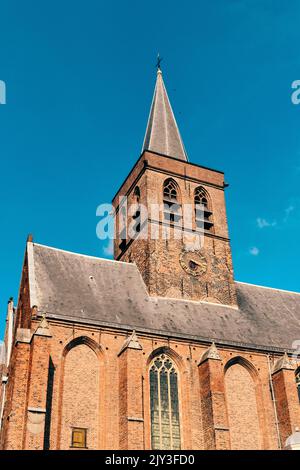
137 210
170 191
137 194
165 424
172 208
203 212
298 382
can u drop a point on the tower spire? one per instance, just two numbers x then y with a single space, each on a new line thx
162 133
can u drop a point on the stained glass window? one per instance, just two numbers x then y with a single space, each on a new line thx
165 425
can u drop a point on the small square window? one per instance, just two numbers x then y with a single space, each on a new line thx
79 437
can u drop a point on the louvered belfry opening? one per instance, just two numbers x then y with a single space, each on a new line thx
137 214
203 211
172 207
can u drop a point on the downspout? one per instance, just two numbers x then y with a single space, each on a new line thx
8 346
10 329
274 404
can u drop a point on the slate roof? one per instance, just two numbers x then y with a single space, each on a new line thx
81 288
162 133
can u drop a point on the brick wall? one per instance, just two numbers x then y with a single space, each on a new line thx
80 395
241 400
92 388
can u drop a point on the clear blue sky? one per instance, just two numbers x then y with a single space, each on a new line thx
80 78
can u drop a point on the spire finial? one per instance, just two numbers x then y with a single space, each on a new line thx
162 133
159 59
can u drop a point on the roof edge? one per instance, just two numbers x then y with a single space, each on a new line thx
80 254
266 287
162 333
31 275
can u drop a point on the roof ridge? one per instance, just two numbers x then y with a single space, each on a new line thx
266 287
80 254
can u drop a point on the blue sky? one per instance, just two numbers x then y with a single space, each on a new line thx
80 79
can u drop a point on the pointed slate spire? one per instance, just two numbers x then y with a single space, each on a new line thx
162 134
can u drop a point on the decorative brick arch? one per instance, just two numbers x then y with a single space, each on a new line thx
245 363
93 365
83 340
244 401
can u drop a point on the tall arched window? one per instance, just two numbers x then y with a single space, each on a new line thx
172 208
203 212
165 424
298 382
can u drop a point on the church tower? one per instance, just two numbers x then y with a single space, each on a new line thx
170 216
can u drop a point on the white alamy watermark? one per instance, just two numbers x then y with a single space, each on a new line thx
166 221
2 92
296 93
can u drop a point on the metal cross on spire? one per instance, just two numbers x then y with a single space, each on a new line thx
159 59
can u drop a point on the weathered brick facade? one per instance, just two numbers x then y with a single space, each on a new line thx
224 403
179 359
159 260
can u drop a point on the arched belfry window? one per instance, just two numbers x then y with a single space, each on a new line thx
165 424
137 194
172 208
298 382
203 211
170 191
137 210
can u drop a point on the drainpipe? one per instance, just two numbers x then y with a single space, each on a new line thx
274 404
10 328
8 346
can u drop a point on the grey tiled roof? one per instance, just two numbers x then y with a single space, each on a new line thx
98 291
162 134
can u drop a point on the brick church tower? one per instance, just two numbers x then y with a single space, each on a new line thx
182 248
